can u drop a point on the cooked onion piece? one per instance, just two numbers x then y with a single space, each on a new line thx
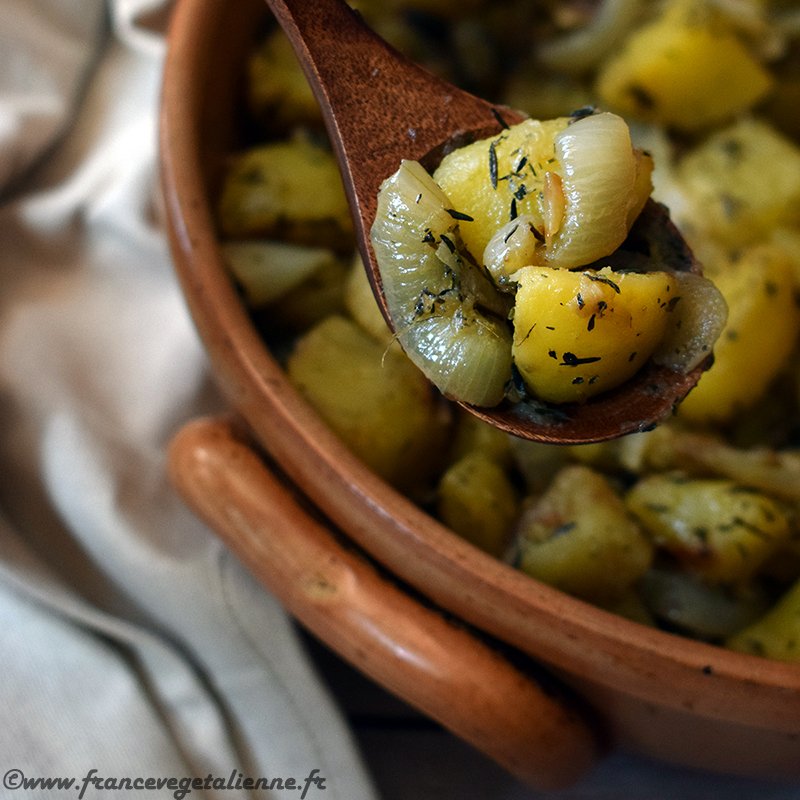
696 324
605 183
513 246
581 49
447 315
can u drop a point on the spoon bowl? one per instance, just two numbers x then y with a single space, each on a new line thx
380 108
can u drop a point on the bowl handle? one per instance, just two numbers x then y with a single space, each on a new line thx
433 664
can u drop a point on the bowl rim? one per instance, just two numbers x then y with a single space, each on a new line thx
572 636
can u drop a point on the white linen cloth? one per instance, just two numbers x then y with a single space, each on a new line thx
131 642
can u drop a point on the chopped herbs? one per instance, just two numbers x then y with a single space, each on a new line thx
448 242
493 164
459 215
499 117
602 279
571 360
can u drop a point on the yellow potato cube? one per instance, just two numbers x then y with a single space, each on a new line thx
380 405
776 634
580 333
473 435
684 73
719 530
478 501
290 191
488 178
362 306
761 331
579 538
741 183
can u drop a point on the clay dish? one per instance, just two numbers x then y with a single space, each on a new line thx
652 692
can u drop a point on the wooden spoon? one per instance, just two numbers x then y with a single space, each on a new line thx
380 108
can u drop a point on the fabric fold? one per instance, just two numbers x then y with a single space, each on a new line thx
133 642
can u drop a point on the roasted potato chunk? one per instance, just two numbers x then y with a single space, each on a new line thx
376 401
761 332
577 334
684 70
289 191
477 500
579 537
740 183
776 634
717 529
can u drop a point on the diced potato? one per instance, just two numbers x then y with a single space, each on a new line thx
742 182
477 500
266 271
762 328
776 634
579 538
291 191
717 529
377 402
580 333
484 180
683 71
362 305
278 92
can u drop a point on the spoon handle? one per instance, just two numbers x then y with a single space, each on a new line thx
379 107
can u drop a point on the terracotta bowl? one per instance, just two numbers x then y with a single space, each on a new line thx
651 691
